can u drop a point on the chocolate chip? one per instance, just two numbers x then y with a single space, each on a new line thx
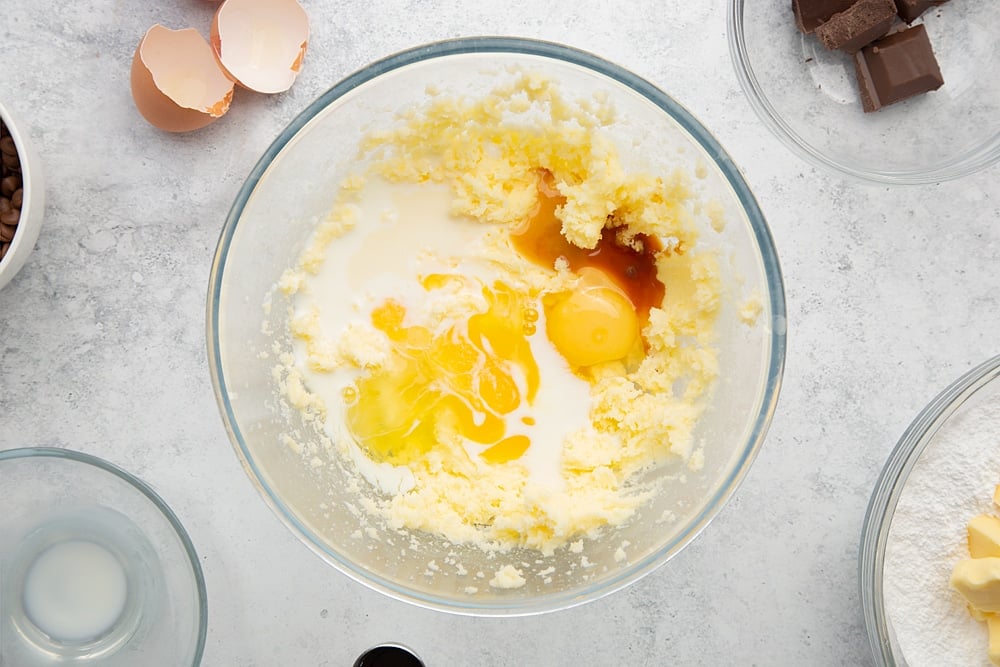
10 218
3 249
17 198
6 232
7 146
8 184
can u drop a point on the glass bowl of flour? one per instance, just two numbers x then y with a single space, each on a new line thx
942 473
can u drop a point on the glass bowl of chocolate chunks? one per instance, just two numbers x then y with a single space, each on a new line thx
891 91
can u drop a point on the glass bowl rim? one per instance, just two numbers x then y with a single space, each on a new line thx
758 226
885 496
982 157
154 498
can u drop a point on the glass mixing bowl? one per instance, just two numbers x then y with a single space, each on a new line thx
807 96
95 569
924 458
292 187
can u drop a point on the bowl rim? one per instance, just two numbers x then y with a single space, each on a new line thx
758 226
980 158
885 496
33 183
154 498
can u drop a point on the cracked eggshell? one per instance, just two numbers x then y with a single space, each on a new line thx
177 84
261 43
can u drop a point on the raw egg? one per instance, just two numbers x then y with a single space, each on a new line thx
261 43
467 380
593 323
176 83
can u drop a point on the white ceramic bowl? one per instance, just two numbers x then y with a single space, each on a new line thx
33 206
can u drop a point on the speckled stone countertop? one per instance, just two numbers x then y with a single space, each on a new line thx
892 293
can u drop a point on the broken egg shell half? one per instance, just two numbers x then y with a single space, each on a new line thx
177 84
261 43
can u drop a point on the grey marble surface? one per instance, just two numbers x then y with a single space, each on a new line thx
892 293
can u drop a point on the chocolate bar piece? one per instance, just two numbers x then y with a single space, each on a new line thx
909 10
810 14
896 67
864 22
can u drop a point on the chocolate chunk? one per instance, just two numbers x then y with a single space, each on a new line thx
909 10
864 22
810 14
896 67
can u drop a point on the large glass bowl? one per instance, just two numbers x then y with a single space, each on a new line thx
808 97
926 459
292 186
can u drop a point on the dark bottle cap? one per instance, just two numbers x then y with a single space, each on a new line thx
388 655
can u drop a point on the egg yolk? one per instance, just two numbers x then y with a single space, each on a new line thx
463 381
592 325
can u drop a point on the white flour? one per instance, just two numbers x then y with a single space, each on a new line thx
953 482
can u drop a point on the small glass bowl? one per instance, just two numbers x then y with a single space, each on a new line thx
975 388
95 569
808 97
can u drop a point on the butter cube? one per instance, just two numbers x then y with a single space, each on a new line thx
984 536
993 625
978 580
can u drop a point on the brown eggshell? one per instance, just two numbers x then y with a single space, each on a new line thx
261 43
177 84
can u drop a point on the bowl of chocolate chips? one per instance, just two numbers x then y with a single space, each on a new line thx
22 195
890 91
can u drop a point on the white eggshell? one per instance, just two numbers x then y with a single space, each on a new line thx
261 43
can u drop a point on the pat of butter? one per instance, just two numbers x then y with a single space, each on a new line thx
978 580
984 536
993 624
